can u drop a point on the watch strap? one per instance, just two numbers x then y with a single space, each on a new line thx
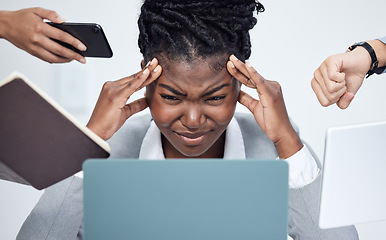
374 61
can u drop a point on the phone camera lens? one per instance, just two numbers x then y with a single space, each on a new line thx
96 29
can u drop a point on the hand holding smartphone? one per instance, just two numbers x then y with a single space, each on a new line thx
90 34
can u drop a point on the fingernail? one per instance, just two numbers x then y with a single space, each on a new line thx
82 60
152 61
82 47
156 69
232 65
248 64
233 57
146 71
147 64
60 19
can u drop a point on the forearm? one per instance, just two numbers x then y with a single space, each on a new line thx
3 23
289 145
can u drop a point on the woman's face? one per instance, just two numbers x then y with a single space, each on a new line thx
192 105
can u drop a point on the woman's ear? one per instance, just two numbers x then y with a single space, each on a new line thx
142 64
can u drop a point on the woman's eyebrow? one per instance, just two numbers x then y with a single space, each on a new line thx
172 90
215 89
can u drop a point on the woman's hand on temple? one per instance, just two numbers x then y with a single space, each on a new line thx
269 111
112 110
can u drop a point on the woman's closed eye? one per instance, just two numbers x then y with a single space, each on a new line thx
215 99
169 97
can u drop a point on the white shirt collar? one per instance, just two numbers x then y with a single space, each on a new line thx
151 148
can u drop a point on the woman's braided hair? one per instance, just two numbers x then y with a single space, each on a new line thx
184 30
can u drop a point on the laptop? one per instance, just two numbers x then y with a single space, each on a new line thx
185 199
354 176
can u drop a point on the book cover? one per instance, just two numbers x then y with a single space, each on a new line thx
40 142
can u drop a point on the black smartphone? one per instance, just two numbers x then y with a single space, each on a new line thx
90 34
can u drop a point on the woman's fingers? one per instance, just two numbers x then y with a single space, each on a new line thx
246 74
257 79
127 86
239 76
135 84
237 69
112 109
154 73
142 80
239 65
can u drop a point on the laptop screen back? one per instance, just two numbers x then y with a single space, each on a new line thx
354 177
185 199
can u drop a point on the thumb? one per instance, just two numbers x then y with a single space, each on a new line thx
135 107
248 101
50 15
345 100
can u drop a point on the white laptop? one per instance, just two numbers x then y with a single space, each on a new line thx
354 175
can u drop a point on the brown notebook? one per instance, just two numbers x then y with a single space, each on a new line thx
41 143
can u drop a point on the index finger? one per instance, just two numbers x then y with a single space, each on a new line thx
153 70
256 77
333 78
239 76
239 71
252 77
48 14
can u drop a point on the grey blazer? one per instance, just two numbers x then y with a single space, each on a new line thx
59 212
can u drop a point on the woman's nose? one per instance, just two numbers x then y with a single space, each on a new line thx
193 117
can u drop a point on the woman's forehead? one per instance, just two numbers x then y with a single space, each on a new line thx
201 71
196 76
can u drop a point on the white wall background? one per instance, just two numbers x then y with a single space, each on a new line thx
290 41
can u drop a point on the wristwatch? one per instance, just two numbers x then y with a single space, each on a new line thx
374 60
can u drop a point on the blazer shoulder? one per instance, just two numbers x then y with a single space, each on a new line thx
127 141
256 142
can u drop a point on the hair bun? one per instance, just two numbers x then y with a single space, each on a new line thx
203 27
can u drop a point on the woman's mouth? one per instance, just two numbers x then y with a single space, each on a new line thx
192 138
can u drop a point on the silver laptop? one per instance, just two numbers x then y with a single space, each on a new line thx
354 177
185 199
